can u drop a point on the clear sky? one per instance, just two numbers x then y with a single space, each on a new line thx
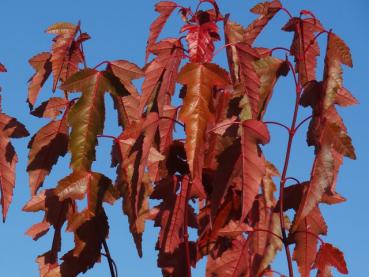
119 30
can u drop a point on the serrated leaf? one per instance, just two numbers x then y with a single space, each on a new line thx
322 177
51 108
80 183
344 98
201 37
165 9
126 72
304 47
66 54
274 245
266 10
268 185
161 74
46 146
200 80
233 262
61 28
42 65
11 127
87 116
337 53
269 69
253 162
329 255
8 161
241 58
306 240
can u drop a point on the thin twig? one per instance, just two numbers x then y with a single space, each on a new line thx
302 122
110 260
278 124
114 264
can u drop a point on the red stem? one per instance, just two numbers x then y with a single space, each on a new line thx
285 168
107 252
302 122
278 124
314 39
294 179
221 48
103 62
266 231
280 48
287 12
176 121
223 125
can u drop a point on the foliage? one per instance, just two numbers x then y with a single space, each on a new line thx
219 164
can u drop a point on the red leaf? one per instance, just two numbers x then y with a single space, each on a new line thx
200 80
51 108
37 230
46 146
266 10
233 262
160 75
165 8
306 240
305 48
42 65
344 98
329 255
66 54
8 160
253 162
201 37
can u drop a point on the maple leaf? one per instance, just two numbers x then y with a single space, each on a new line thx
126 106
56 213
42 65
86 117
9 128
337 53
51 108
233 262
269 69
322 176
304 46
135 152
259 218
171 215
230 163
200 80
241 58
66 54
160 75
175 264
327 256
201 37
165 9
274 243
306 240
267 11
253 162
268 184
46 146
344 98
87 248
8 162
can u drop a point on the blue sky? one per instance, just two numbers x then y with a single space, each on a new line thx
119 30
